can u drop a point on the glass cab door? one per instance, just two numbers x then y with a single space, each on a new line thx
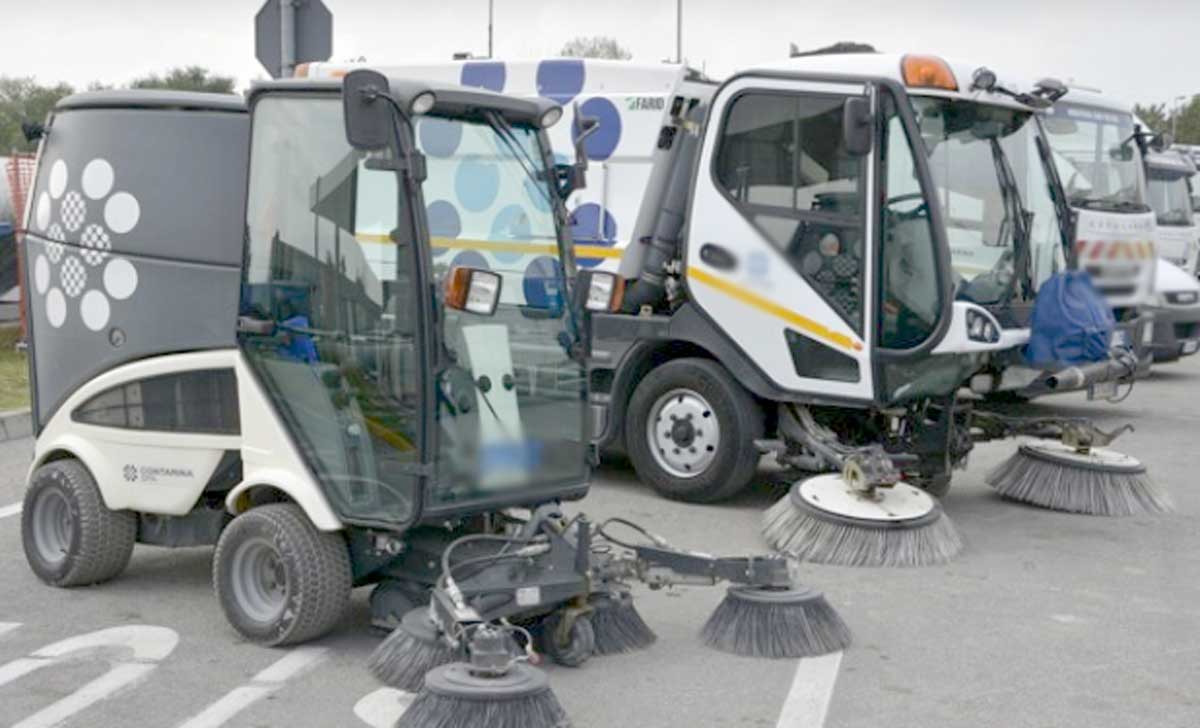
331 261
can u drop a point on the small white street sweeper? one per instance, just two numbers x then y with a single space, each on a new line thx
244 336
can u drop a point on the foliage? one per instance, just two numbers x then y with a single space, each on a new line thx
599 46
1184 119
844 46
191 78
23 99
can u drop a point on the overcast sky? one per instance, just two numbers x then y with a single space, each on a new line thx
1138 50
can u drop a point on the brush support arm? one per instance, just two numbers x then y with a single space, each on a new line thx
1081 434
659 567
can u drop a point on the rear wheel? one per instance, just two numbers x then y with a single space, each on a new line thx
691 431
279 579
70 537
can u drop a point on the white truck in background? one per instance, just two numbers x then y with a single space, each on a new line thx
1177 238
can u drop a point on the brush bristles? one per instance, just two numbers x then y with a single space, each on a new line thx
808 538
1077 490
430 710
402 660
754 629
620 628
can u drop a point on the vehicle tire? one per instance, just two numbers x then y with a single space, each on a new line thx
580 644
279 579
690 460
70 537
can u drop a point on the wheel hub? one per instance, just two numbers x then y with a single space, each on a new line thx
53 526
683 433
829 497
259 580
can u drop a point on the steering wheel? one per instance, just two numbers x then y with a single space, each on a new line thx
921 210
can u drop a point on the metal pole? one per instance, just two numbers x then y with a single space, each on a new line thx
287 38
490 28
679 31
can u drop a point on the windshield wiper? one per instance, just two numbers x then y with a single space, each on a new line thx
1109 204
1018 216
504 130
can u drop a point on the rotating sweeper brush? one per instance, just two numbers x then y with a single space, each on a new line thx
563 586
862 516
1079 474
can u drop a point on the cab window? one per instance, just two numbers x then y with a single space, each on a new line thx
782 163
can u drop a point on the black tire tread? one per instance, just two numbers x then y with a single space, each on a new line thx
731 472
105 538
321 561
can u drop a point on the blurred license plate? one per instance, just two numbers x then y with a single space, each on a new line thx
1103 390
1120 337
1189 347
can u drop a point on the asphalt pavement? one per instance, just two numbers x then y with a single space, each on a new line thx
1046 619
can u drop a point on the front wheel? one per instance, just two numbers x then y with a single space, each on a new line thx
573 648
279 579
691 431
70 537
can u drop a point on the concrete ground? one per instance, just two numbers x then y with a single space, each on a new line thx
1046 619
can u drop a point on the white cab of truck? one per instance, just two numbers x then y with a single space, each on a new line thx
1177 238
1102 169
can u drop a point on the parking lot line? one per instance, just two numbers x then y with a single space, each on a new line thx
807 702
383 707
6 511
261 685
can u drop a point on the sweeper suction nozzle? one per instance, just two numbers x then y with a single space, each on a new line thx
826 519
775 623
1092 480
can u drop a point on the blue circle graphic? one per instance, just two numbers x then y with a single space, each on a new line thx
603 142
444 222
476 183
470 259
560 79
511 224
542 283
439 137
484 74
588 229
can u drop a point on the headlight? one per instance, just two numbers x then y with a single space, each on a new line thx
1182 298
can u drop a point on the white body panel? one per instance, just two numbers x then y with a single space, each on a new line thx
713 218
164 473
1178 245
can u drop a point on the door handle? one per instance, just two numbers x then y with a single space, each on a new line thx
718 256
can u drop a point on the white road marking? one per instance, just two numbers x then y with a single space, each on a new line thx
12 510
261 685
6 627
807 702
149 645
382 708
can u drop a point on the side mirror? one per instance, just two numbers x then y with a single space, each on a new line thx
574 177
367 117
601 291
857 127
473 290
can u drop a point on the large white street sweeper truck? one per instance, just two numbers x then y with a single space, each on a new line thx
242 337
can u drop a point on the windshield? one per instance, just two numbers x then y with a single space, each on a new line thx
994 194
1100 164
1169 198
332 261
490 206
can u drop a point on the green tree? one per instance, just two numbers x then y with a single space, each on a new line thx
1155 115
1186 122
21 100
191 78
599 46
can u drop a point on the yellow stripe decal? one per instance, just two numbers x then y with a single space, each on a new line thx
516 246
753 299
